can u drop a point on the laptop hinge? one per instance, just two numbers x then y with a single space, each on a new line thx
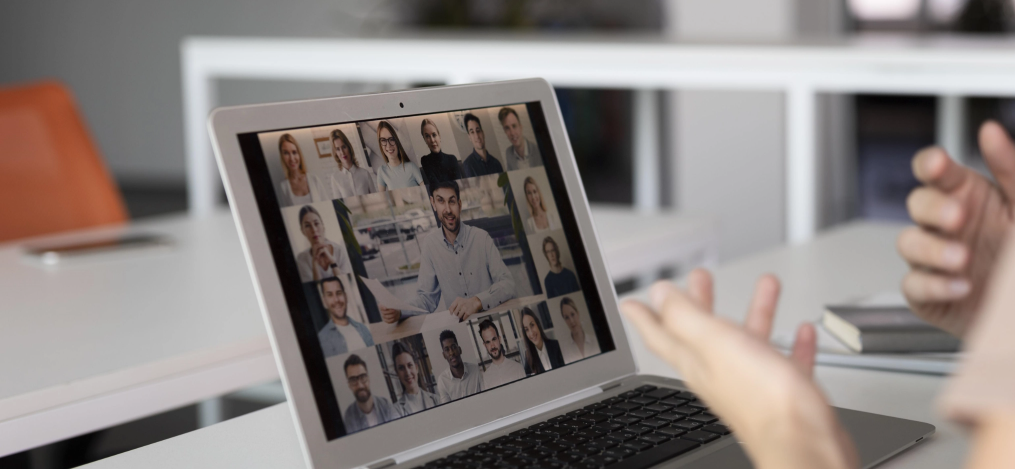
381 464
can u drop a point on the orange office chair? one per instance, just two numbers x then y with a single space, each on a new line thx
52 177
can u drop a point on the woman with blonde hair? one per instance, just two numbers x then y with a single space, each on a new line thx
539 218
350 179
298 187
399 172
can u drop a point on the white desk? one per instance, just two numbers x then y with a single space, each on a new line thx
857 259
92 345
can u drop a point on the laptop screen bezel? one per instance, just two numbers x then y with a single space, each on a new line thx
364 447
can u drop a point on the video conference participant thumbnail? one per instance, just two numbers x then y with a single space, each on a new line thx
541 217
298 187
541 352
578 343
350 179
368 410
559 280
521 153
458 263
501 370
325 258
399 172
341 334
437 166
480 162
461 378
414 398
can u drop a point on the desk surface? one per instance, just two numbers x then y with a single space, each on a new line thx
856 260
103 341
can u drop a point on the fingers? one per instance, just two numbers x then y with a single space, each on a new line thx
700 288
926 250
389 315
647 324
932 208
805 346
925 287
681 315
933 167
761 312
999 154
456 308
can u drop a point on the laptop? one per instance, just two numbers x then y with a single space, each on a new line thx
436 296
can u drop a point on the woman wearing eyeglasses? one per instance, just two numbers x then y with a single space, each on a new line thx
541 353
399 172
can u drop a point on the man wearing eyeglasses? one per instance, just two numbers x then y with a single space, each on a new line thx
341 334
368 410
460 379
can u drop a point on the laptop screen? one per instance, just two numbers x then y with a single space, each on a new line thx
424 259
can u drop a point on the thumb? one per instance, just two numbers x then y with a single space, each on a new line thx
999 154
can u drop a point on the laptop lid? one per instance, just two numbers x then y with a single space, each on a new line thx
373 224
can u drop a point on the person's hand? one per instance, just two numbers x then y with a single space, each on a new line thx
324 255
770 401
462 308
963 220
389 315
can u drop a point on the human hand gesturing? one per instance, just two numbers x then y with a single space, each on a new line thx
769 399
963 219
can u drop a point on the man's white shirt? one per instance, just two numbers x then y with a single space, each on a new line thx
450 388
507 371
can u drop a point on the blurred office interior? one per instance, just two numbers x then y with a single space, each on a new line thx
723 152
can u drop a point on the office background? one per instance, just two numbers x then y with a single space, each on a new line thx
121 60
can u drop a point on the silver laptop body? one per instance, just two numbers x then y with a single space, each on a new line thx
345 211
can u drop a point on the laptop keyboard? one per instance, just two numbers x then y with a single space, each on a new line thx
637 429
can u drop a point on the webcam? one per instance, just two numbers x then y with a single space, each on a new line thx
401 104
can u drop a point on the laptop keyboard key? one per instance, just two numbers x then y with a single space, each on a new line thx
612 412
619 453
622 436
626 420
674 401
687 425
670 416
629 395
596 462
656 438
645 388
637 445
642 400
671 431
661 393
659 454
657 407
610 426
655 423
687 410
704 418
625 406
641 413
717 429
700 436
